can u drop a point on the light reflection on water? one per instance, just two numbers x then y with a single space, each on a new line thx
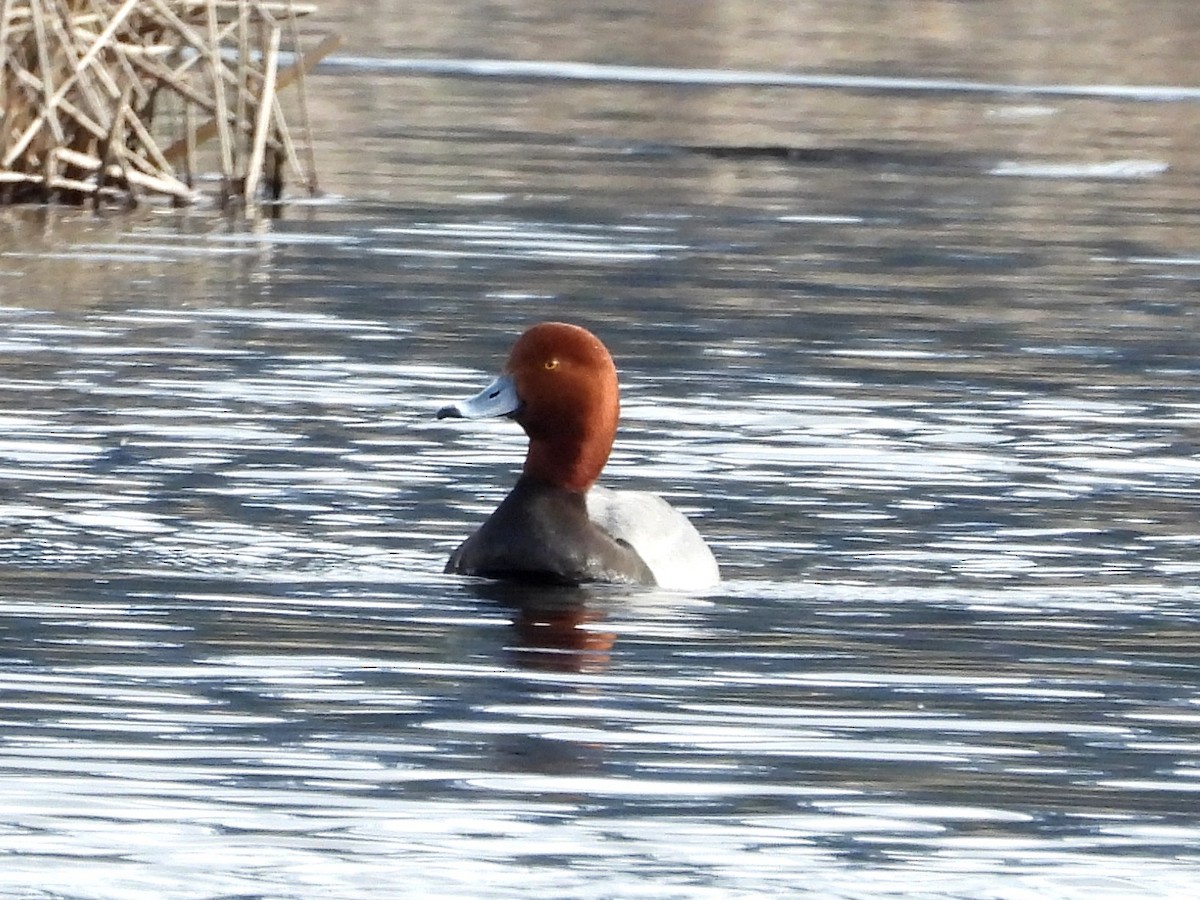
289 426
950 470
249 644
842 729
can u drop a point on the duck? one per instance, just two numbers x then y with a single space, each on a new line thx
557 525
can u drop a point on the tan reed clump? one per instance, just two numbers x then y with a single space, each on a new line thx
107 100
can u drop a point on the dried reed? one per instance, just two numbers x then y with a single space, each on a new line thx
103 100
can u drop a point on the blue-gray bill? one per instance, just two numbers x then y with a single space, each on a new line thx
497 399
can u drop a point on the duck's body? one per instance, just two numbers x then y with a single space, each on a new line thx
556 526
541 532
666 541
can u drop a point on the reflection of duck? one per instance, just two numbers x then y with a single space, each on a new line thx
556 626
560 385
563 640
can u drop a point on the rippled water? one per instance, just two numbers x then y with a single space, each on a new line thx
936 405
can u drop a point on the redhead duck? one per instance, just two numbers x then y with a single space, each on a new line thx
556 526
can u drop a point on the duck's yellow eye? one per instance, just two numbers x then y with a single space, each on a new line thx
550 365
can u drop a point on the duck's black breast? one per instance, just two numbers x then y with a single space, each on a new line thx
542 533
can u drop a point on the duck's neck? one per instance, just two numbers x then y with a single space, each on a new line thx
571 464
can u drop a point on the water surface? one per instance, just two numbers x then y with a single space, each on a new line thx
922 367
